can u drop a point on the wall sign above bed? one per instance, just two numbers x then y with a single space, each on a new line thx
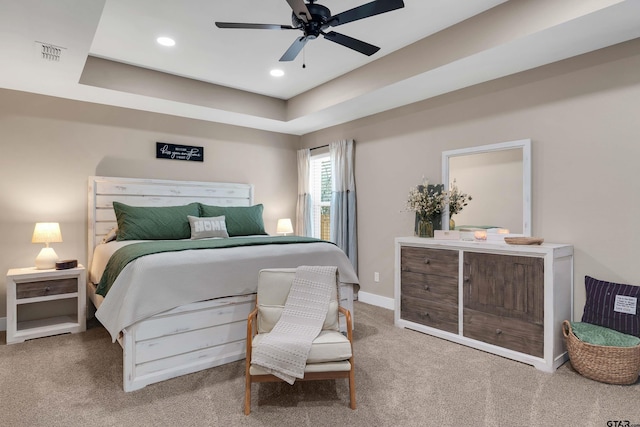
179 152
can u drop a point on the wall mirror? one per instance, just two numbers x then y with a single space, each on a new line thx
498 178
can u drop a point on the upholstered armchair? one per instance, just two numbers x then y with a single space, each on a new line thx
331 354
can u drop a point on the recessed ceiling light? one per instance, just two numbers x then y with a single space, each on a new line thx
166 41
277 73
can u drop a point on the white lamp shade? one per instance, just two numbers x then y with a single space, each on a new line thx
46 232
284 226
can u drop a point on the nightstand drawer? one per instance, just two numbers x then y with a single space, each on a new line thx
46 287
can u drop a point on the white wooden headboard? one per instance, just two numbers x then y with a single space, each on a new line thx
104 190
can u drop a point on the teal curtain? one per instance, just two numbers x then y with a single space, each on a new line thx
343 199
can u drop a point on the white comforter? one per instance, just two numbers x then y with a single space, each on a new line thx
159 282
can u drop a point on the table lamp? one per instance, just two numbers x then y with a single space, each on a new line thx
46 232
284 226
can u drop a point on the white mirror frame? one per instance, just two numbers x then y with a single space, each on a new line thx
525 145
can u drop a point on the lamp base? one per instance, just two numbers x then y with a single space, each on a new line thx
46 259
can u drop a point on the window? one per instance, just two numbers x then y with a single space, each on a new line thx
321 195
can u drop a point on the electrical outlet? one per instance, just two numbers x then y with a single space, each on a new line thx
376 277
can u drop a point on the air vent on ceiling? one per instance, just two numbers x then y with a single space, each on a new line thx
49 52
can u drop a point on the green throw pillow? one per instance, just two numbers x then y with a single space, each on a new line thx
240 220
154 223
599 335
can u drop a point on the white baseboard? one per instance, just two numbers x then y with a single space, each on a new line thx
377 300
3 323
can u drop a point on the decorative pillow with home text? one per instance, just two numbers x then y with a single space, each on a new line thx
202 228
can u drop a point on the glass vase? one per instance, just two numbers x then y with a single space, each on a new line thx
425 228
452 224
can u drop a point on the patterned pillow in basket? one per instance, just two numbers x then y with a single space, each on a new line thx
612 305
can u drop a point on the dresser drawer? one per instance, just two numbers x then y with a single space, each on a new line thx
431 287
429 313
440 262
514 334
46 287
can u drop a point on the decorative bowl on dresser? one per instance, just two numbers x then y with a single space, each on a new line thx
503 299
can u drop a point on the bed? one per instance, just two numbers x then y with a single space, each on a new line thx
174 309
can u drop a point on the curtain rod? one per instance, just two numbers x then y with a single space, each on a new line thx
316 148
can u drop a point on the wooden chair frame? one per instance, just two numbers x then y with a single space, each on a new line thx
309 376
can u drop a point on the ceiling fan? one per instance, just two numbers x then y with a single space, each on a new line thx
313 19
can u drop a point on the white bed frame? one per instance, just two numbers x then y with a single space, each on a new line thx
189 338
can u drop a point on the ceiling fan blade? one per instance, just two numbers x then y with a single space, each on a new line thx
294 49
351 43
300 9
365 11
254 26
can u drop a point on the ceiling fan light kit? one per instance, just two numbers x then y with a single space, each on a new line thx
314 19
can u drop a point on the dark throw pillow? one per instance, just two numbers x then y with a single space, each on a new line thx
154 223
612 305
241 220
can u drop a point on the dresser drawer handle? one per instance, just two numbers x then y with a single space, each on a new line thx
498 331
47 289
427 261
466 278
425 314
427 288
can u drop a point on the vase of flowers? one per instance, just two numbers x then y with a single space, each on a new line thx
457 201
428 202
425 228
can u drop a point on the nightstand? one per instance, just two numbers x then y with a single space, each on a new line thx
29 286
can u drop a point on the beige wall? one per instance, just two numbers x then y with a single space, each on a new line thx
49 147
582 116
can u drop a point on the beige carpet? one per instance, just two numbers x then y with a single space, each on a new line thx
403 378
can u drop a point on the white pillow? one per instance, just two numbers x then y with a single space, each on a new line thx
111 235
202 228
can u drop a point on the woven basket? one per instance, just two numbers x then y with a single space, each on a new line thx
612 365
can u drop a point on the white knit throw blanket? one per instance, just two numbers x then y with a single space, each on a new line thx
284 351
